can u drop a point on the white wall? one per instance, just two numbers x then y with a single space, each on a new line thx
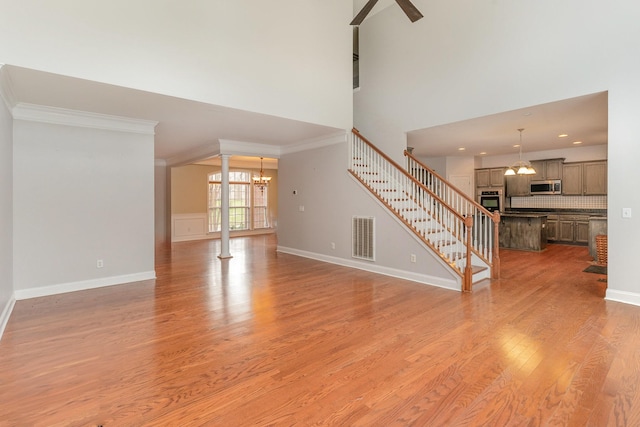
6 214
80 195
438 164
331 197
288 58
472 58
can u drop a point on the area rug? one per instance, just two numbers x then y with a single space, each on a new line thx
598 269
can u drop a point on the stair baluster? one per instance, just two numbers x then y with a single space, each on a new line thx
449 222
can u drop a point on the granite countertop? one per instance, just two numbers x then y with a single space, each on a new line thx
524 214
550 211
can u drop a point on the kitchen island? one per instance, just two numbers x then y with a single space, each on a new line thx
524 231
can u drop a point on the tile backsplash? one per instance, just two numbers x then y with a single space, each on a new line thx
560 202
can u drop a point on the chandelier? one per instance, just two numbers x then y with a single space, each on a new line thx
520 167
261 181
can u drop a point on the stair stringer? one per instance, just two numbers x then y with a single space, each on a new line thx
439 238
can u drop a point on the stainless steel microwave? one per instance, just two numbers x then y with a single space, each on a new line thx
552 186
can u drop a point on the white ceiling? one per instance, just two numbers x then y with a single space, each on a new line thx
583 119
184 126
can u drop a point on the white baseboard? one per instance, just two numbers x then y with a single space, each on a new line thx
6 313
622 296
374 268
62 288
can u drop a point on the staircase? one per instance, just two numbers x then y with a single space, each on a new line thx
447 221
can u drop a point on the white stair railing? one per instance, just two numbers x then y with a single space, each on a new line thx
446 230
484 234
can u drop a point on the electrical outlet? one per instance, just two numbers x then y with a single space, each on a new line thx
333 245
99 263
626 212
301 208
413 258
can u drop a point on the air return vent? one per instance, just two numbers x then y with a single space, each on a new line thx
363 238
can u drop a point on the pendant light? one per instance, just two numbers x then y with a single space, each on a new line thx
520 167
261 181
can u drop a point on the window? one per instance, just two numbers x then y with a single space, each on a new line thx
260 217
248 204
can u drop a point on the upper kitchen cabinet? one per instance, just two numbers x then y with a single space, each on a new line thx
493 177
584 179
594 179
518 185
547 169
572 179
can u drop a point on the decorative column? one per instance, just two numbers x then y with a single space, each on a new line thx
224 227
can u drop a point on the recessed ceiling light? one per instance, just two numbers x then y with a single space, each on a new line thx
516 146
527 114
563 135
576 142
461 149
482 153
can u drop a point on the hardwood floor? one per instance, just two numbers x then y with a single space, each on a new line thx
274 339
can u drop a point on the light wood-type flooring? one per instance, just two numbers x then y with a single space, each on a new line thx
273 339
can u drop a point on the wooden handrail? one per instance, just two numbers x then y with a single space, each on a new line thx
456 189
481 240
494 260
370 144
408 175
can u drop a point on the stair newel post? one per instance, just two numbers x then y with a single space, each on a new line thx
495 262
468 271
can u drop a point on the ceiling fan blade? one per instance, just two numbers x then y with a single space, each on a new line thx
412 12
364 12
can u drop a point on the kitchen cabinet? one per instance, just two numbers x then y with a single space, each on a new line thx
526 232
547 169
573 229
552 228
582 231
493 177
572 179
594 178
584 178
518 185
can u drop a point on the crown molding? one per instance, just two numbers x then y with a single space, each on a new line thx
311 144
63 116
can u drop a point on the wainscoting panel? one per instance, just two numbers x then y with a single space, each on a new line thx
188 227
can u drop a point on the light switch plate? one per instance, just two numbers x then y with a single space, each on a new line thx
626 212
